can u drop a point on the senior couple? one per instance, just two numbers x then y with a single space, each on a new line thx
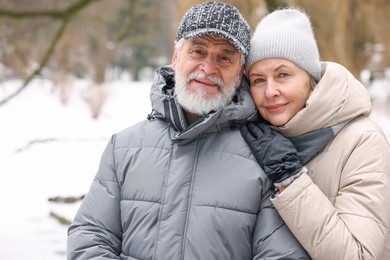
285 165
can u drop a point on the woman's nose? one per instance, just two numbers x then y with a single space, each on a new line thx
272 89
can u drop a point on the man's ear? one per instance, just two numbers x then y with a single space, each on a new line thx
174 56
242 71
241 75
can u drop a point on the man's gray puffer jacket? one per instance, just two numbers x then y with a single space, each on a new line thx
165 190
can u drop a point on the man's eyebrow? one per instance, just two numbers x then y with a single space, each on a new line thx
230 51
197 42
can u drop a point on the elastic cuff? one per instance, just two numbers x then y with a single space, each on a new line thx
289 180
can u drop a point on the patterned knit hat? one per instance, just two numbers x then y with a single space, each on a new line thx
216 18
286 34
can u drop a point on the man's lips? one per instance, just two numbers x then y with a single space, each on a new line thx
206 82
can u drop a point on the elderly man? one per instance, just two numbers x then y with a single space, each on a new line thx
184 184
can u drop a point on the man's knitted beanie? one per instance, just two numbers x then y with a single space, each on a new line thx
286 34
219 19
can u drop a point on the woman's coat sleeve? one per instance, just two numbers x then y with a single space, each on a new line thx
356 224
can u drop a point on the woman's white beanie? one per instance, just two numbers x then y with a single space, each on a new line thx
286 34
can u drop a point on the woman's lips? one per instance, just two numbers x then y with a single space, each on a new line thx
275 108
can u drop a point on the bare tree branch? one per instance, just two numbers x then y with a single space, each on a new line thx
31 14
65 16
42 63
52 14
127 24
78 6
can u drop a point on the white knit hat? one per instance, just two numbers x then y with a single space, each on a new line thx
286 34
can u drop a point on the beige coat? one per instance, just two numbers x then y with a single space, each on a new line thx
340 209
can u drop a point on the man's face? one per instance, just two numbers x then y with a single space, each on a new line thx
207 73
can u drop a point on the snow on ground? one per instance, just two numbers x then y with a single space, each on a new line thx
64 160
63 163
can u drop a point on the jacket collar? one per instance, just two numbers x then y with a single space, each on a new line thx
166 107
338 97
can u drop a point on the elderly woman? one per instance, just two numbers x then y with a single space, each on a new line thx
336 205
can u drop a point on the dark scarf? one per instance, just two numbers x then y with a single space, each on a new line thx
311 143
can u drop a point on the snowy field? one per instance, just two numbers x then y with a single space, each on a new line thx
50 150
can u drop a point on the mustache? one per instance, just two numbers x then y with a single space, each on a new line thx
202 76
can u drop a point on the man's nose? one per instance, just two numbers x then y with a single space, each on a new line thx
209 66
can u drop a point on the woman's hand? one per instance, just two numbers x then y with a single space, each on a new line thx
274 152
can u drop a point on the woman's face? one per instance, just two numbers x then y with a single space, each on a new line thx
279 88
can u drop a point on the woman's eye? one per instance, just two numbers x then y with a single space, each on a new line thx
283 75
257 81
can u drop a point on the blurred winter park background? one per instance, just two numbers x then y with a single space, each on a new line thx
74 72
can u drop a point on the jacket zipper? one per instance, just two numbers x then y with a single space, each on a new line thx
196 157
163 202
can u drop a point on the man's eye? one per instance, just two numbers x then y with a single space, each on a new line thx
198 52
226 59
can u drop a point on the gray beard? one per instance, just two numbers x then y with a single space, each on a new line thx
197 103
